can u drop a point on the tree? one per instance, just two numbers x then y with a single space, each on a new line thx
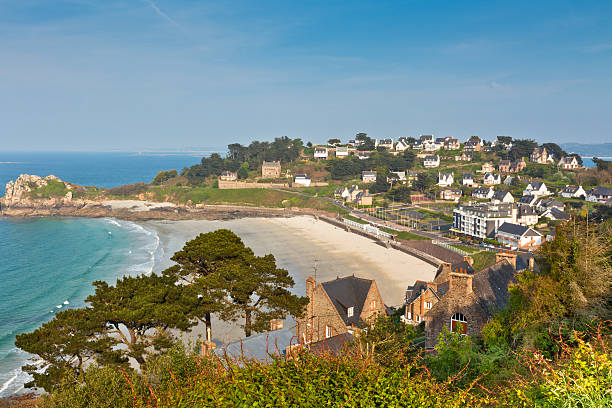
164 176
381 185
243 171
71 339
201 257
555 150
333 142
140 310
258 291
521 148
424 181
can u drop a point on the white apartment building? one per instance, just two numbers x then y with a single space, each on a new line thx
482 220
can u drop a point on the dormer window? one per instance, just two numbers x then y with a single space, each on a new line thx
373 304
350 311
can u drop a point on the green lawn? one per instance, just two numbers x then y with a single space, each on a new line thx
467 249
483 259
404 234
357 220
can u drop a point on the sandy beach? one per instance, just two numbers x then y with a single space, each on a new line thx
299 244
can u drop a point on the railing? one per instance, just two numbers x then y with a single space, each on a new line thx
368 228
452 248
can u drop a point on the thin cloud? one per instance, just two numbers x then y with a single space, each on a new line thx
598 48
162 14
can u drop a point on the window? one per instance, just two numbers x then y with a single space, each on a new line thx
427 305
349 311
373 304
328 332
459 324
409 315
418 318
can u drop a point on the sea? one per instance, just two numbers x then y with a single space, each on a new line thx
48 264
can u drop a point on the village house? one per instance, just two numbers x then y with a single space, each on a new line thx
464 157
337 307
507 145
464 300
431 161
555 214
536 188
431 146
600 195
573 192
302 180
228 176
474 144
402 144
451 194
518 236
527 215
543 204
467 179
569 163
321 153
487 168
528 200
509 180
482 192
363 155
445 179
341 193
507 166
271 169
451 143
540 155
386 143
342 151
491 179
502 196
363 198
368 176
426 138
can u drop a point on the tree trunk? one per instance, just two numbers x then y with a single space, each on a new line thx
208 319
247 323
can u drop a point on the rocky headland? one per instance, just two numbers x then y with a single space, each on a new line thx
35 196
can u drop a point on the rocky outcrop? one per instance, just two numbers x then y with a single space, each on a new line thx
20 189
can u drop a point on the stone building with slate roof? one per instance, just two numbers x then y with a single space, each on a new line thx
337 307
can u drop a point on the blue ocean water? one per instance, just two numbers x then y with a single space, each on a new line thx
48 264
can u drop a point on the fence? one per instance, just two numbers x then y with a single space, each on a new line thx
368 228
452 248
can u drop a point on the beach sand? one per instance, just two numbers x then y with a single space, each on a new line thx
299 244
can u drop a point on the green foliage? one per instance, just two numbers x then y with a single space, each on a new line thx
381 185
164 176
128 190
53 189
243 171
521 148
483 259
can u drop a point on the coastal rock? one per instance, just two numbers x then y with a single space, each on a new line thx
20 189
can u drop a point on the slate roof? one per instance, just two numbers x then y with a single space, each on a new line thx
601 191
527 199
467 176
481 191
259 346
558 214
333 345
535 185
526 210
490 286
443 254
513 229
431 157
346 292
500 195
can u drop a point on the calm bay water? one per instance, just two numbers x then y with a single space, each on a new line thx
48 264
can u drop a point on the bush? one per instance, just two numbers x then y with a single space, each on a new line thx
164 176
128 190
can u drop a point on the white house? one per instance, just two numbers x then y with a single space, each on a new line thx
445 179
431 146
368 176
527 215
302 179
363 155
536 188
402 144
555 214
431 161
320 153
573 192
483 192
518 236
528 200
386 143
569 163
468 179
502 196
491 179
342 151
599 195
399 175
341 192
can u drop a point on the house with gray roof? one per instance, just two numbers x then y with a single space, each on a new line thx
502 196
518 236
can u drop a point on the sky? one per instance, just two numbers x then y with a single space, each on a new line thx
180 74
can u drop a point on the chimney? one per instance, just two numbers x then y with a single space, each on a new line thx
310 285
276 324
461 282
507 255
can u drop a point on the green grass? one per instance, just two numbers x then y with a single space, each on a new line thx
53 189
408 236
357 220
483 259
467 249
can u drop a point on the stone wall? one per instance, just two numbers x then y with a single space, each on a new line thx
234 185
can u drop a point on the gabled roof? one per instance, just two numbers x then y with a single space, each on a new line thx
558 214
481 190
333 345
467 176
490 286
527 199
601 191
348 292
501 194
535 185
513 229
431 157
526 210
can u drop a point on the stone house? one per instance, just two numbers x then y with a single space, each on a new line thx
464 157
337 307
470 300
507 166
487 168
271 169
451 194
540 155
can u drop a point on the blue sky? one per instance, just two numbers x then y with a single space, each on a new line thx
138 74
